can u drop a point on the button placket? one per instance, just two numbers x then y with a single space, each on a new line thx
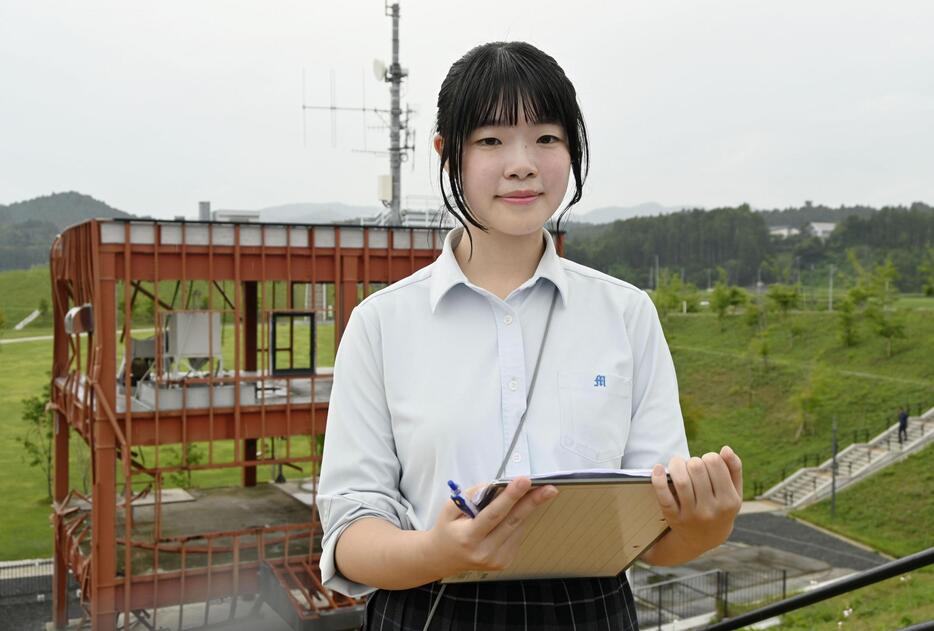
512 368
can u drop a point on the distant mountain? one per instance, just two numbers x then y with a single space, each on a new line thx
28 228
60 209
310 212
609 214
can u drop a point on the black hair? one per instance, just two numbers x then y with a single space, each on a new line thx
486 87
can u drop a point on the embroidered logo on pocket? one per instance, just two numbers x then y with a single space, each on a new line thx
599 381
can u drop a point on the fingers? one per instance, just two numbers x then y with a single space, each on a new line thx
700 478
490 517
725 495
735 465
681 480
666 499
520 511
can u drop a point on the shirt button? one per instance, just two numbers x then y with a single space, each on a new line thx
507 319
516 456
513 385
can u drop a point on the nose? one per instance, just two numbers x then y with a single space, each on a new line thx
521 164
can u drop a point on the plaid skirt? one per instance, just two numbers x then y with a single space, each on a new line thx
580 604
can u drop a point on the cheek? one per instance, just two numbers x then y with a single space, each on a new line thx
479 176
556 168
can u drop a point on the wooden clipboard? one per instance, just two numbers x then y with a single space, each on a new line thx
596 526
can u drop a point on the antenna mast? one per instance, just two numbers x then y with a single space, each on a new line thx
398 149
394 77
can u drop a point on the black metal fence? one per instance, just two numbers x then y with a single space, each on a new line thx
25 581
716 591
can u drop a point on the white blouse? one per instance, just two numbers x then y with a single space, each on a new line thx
430 383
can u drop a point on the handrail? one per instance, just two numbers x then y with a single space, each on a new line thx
854 581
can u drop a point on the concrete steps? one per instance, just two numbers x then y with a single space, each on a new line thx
858 460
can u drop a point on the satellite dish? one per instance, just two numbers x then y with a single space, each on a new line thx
379 70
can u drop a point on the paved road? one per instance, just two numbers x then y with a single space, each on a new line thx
782 533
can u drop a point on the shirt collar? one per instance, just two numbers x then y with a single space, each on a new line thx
447 273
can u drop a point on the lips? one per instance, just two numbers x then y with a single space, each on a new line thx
522 193
520 197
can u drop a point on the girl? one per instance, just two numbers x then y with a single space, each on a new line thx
501 359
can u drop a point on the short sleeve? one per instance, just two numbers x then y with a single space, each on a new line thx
656 431
360 469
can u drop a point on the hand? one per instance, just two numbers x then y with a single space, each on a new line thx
490 541
708 493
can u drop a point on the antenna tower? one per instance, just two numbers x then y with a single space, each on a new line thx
398 149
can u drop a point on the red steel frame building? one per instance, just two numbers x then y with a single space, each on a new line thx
99 269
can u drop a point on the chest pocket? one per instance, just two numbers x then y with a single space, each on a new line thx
596 410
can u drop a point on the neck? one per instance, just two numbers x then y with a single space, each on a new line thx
500 262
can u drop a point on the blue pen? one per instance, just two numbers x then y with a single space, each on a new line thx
467 507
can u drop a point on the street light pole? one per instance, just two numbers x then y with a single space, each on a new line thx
830 290
833 473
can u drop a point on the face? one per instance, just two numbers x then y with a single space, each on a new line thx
515 177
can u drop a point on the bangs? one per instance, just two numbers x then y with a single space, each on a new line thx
498 89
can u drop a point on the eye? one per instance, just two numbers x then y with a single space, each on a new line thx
490 141
549 139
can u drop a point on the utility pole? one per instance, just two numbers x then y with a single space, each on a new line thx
830 290
833 472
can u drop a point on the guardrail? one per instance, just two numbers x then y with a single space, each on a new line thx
844 585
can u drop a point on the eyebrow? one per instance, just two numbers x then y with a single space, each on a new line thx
548 121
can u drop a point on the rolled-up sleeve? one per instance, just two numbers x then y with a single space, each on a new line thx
657 428
360 469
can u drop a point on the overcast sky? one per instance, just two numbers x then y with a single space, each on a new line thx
154 106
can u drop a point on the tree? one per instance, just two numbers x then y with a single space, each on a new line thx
761 348
846 318
37 439
926 270
674 295
725 298
886 326
783 298
813 401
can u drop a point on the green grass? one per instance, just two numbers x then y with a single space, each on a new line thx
892 511
892 604
24 519
20 293
752 407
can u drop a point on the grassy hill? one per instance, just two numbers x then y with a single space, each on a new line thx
780 415
21 291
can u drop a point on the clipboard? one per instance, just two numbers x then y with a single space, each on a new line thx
598 525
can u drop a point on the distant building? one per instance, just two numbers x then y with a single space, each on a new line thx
783 231
821 229
239 216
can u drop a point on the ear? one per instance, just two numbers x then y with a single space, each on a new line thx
438 143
